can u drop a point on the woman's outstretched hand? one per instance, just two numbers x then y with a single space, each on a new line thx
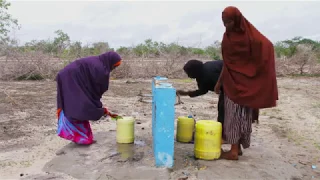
113 115
107 113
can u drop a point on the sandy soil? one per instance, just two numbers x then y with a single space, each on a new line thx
285 144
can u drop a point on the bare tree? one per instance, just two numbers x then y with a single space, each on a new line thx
305 59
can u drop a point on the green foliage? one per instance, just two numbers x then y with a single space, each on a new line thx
100 47
43 45
147 49
63 48
288 48
66 50
123 50
76 49
7 22
213 52
175 48
60 42
197 51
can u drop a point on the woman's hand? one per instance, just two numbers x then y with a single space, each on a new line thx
58 112
107 113
217 88
113 115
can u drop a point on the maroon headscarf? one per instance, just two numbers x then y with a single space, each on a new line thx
249 76
81 84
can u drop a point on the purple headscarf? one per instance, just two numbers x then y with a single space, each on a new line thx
81 84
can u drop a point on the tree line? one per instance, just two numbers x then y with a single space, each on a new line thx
62 47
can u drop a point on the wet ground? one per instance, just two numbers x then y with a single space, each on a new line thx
285 144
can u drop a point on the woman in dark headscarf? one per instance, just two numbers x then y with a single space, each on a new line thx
248 78
207 75
80 86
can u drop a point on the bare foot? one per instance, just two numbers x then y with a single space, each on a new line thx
239 153
240 150
229 155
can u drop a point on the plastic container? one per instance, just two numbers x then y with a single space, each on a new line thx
125 130
185 129
207 145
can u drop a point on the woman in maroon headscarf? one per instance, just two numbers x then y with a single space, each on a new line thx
248 78
80 86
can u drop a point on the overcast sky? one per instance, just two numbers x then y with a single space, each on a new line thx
186 22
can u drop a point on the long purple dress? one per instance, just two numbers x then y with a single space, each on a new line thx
80 86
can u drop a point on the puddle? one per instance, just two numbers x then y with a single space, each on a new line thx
104 157
139 143
126 150
129 151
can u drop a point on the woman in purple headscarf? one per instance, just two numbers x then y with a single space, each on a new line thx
80 86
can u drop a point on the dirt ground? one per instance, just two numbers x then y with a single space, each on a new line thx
285 144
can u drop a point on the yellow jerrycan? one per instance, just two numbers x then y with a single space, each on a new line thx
125 130
207 144
185 128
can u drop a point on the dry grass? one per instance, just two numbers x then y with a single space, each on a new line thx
304 62
30 66
37 66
